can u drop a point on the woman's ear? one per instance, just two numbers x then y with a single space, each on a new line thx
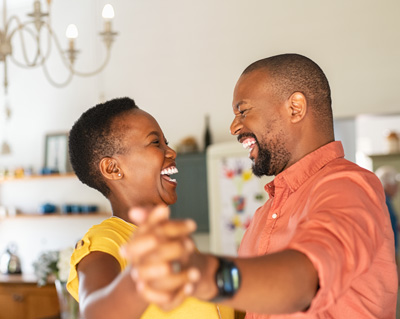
110 169
297 106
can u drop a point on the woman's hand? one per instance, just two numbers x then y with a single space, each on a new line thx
160 252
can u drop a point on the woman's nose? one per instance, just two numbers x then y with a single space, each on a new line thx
170 153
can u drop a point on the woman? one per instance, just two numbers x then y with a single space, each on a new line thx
120 150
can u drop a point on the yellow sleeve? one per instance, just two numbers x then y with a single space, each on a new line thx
106 237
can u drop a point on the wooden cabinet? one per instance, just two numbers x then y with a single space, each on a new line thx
28 301
192 190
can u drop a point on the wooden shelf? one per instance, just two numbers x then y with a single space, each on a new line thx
60 215
36 177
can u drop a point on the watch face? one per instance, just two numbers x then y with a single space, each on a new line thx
227 278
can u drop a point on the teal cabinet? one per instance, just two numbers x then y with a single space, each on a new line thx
192 190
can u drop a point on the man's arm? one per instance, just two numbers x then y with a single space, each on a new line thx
283 282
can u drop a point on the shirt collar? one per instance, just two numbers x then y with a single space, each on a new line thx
299 172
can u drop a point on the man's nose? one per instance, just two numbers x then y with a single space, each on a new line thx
235 126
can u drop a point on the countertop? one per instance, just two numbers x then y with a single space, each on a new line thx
18 279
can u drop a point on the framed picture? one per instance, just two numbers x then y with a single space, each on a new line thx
56 158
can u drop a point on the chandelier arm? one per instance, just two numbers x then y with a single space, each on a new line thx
70 66
60 50
20 31
50 35
53 82
98 70
5 83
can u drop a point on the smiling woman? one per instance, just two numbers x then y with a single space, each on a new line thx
121 151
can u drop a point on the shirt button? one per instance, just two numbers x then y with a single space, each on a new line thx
274 216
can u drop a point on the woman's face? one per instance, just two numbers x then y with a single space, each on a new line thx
147 163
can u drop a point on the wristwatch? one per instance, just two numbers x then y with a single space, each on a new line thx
227 279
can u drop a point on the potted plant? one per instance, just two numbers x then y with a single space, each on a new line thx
54 266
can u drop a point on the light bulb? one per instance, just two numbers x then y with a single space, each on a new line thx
71 32
108 12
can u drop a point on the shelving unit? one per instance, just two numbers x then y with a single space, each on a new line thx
35 177
60 215
24 195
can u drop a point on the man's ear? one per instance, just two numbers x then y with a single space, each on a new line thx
297 107
110 169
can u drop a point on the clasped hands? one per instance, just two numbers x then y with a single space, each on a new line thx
161 253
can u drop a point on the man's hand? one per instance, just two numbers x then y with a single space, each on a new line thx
160 251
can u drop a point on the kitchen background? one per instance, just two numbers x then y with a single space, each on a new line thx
180 60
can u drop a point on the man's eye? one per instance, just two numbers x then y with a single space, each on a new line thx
166 142
156 142
243 112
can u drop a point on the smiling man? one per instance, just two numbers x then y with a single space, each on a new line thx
322 245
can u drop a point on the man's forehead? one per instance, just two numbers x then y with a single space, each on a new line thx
250 85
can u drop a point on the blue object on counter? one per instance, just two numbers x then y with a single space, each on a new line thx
67 208
77 209
47 208
89 208
48 171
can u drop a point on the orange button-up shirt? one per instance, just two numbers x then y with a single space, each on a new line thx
334 212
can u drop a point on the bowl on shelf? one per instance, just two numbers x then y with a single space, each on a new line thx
86 209
79 209
47 208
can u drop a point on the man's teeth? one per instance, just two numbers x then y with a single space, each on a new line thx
169 170
248 143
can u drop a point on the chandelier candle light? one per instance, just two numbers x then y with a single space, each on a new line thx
41 20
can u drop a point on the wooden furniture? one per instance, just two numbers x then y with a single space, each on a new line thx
21 298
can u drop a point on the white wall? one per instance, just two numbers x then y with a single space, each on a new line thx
180 59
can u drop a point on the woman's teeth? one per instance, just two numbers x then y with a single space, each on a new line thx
169 170
166 172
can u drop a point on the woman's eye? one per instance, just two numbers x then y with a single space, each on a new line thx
156 142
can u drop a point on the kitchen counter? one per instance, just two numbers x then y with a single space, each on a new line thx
18 279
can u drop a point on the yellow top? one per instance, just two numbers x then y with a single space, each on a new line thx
108 237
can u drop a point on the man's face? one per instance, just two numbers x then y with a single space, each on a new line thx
260 123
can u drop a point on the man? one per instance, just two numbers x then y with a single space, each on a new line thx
320 247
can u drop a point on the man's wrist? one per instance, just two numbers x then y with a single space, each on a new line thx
227 279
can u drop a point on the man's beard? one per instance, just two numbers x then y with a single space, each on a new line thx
262 165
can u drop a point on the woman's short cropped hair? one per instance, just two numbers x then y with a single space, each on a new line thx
93 137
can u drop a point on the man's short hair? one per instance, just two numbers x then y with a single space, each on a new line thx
289 73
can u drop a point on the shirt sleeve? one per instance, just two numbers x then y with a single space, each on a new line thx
100 239
345 227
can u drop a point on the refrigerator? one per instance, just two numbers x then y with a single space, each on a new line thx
234 194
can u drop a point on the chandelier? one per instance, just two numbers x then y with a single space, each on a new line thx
38 27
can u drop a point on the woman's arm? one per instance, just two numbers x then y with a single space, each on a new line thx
105 291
